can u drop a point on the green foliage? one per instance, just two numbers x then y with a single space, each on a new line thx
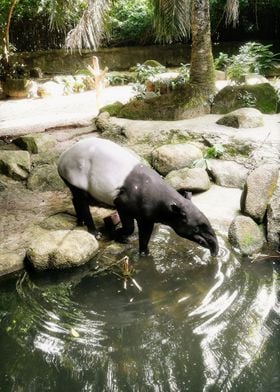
121 78
222 61
143 72
248 99
215 151
129 21
252 57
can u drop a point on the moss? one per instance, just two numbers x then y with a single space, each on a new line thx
153 63
261 96
113 109
242 149
247 240
183 103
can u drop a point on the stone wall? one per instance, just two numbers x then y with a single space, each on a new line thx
122 58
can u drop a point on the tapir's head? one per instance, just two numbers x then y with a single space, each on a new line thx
189 222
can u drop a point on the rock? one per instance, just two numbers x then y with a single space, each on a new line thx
107 127
35 143
253 78
50 89
60 221
260 96
258 190
246 235
15 164
61 249
32 89
274 71
174 156
220 75
227 173
161 82
273 218
11 262
175 105
45 178
242 118
2 186
153 63
113 108
194 180
36 72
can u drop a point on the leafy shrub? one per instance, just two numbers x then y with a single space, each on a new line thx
215 151
130 21
252 57
222 61
144 72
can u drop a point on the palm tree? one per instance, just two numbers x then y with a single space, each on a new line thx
174 20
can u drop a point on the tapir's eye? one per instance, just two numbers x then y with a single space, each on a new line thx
196 229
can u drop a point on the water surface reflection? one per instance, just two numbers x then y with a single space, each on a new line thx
199 324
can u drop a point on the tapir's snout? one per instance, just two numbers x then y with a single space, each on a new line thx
214 248
207 240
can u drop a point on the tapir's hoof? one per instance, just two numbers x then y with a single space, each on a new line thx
120 236
96 234
144 253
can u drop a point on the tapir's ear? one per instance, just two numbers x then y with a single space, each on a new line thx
185 194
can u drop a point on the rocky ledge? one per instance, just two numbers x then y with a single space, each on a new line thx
236 186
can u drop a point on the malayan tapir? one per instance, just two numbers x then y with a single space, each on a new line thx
101 170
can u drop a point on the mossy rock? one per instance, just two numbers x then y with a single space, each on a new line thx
261 96
153 63
35 143
176 105
113 109
246 235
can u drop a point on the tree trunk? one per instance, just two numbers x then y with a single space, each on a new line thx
6 36
202 65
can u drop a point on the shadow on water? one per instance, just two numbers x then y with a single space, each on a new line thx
199 324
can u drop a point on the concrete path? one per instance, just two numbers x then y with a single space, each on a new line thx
37 115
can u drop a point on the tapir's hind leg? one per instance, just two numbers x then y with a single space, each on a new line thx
127 227
81 205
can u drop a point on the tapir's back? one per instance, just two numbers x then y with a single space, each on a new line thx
98 166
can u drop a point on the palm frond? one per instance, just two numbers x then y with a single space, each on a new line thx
232 12
89 30
59 12
172 19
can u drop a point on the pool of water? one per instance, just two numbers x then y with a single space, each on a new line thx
199 324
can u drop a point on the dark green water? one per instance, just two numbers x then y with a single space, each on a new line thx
198 325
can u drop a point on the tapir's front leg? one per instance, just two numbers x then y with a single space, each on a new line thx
145 228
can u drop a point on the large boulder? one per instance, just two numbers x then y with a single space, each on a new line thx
246 235
258 190
15 164
194 180
45 178
61 249
50 89
242 118
227 173
162 82
273 218
261 96
253 78
175 156
36 143
186 102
